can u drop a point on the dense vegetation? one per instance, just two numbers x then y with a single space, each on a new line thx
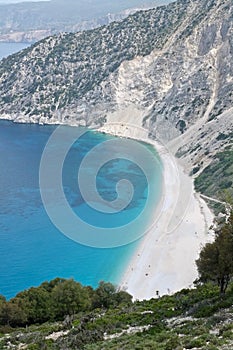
197 318
217 178
216 259
54 300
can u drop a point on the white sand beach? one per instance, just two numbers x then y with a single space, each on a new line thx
165 260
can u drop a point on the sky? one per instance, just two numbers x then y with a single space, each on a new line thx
15 1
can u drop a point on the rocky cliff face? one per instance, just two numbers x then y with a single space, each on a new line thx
173 65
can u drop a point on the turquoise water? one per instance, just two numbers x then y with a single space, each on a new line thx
32 249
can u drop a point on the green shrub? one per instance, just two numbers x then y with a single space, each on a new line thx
195 343
172 343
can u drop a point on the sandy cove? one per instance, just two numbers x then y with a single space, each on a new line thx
165 260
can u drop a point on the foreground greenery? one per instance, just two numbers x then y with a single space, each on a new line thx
198 318
216 258
52 301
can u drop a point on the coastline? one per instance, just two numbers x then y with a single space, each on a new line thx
164 262
165 258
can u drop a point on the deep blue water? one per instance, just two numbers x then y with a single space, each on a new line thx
32 249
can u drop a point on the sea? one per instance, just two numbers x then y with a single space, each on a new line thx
33 248
7 49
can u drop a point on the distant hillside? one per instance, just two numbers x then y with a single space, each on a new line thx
70 70
32 21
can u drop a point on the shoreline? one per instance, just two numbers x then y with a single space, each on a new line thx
170 265
164 262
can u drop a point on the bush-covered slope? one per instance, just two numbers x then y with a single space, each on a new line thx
190 319
217 179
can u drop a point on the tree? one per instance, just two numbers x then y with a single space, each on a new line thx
37 303
107 295
104 295
12 313
69 297
216 259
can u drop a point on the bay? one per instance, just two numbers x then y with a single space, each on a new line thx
32 249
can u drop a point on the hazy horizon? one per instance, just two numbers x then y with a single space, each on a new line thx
7 2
